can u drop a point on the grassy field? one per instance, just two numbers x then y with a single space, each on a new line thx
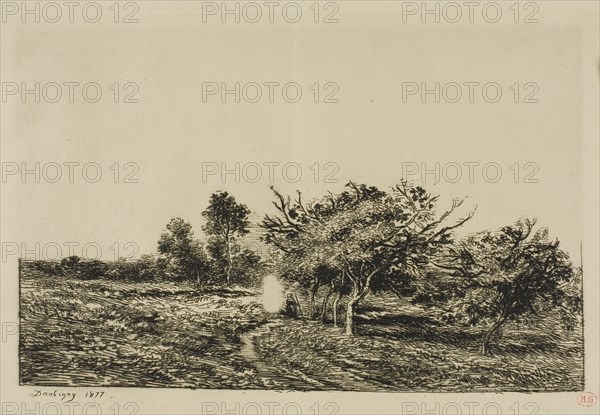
409 351
109 333
105 333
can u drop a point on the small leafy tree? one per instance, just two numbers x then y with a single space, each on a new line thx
146 265
248 268
226 220
183 255
570 308
247 265
498 276
70 262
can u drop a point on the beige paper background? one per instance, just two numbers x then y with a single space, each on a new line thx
368 135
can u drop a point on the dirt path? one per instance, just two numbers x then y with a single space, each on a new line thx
249 351
284 377
274 377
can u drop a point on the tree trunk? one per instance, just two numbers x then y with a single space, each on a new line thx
485 346
350 316
334 311
297 301
313 294
350 309
337 299
325 301
228 269
336 302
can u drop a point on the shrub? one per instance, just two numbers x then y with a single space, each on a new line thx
143 269
70 262
91 270
47 267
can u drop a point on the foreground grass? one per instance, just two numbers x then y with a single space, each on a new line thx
110 333
407 350
101 333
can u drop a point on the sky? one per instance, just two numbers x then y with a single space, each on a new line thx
170 148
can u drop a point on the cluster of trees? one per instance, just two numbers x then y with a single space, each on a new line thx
365 239
362 240
512 273
222 259
141 269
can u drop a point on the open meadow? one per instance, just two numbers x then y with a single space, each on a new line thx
103 332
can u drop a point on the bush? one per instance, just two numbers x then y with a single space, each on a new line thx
70 262
91 270
247 271
47 267
143 269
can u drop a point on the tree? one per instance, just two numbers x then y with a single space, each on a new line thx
363 232
570 308
247 265
184 255
226 220
70 262
498 276
146 266
248 268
